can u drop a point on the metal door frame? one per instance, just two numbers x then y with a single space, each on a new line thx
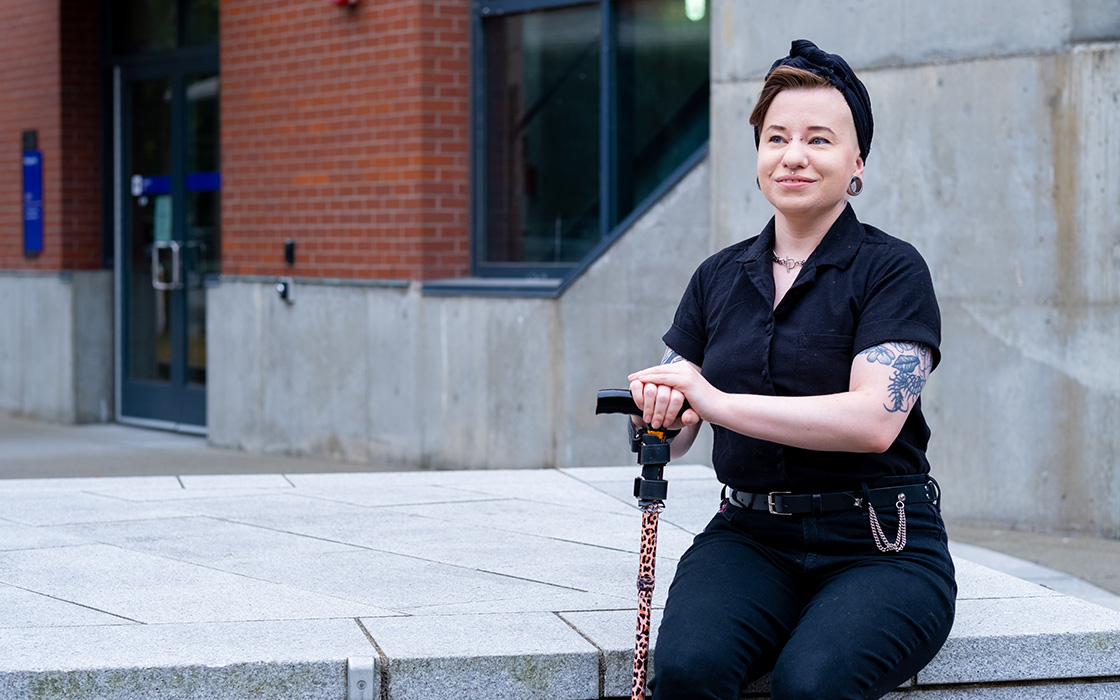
174 66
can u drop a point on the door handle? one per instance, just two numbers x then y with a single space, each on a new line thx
157 280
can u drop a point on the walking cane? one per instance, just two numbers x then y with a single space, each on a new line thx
650 489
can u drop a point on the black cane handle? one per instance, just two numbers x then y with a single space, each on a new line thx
616 401
620 401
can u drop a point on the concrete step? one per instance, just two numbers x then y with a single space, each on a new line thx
494 584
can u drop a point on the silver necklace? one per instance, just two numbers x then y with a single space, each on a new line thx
787 263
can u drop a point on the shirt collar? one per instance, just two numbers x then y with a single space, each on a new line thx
837 248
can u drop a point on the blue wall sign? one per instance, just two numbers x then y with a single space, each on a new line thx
32 203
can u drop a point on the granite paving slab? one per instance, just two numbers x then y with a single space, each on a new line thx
501 482
202 540
191 486
18 536
572 490
49 508
113 483
394 582
475 584
303 659
562 600
610 530
1048 578
690 503
20 609
391 494
151 589
315 517
485 657
583 568
170 497
235 481
1016 639
565 491
976 582
613 632
383 529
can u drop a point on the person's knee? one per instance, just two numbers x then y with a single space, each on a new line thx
818 676
690 675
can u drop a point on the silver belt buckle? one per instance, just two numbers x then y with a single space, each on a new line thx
770 502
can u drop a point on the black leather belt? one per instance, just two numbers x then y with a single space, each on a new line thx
784 503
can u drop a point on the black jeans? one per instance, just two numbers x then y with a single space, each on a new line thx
808 597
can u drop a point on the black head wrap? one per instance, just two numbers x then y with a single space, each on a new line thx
805 55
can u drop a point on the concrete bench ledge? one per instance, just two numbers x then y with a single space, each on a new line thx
418 585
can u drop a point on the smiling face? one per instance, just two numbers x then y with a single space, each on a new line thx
807 153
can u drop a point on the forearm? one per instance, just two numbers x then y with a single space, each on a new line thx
848 422
885 383
683 442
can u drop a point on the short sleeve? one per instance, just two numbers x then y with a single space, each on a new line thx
688 334
900 304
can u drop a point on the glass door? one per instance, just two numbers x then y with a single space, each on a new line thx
169 239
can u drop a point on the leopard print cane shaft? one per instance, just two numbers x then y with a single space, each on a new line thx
645 597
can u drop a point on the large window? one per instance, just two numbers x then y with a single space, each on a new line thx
577 127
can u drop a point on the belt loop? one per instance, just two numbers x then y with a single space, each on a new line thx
866 495
816 501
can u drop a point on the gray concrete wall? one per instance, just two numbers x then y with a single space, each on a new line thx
997 153
389 376
374 374
56 346
613 317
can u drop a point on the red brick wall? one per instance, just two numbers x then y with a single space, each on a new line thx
29 99
345 129
49 81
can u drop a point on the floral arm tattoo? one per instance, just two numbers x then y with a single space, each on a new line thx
912 363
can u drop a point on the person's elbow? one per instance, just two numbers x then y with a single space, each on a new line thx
878 444
878 436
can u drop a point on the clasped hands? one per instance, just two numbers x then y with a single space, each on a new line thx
660 392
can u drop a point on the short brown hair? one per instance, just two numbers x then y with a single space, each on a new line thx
782 78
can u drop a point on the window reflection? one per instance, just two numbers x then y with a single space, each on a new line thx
540 192
542 138
662 87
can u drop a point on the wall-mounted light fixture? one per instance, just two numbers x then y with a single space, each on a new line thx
695 9
344 2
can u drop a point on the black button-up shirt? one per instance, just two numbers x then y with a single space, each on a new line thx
860 288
